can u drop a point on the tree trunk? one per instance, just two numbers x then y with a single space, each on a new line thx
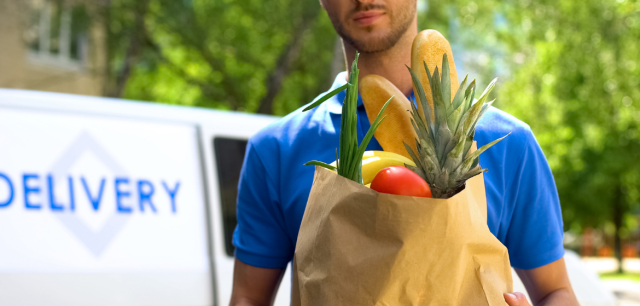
105 14
133 51
283 66
617 221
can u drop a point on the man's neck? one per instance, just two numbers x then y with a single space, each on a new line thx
390 63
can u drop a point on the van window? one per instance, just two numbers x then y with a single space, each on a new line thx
229 154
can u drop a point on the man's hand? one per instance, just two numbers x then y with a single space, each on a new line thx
253 286
516 299
547 286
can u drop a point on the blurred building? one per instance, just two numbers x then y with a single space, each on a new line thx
51 45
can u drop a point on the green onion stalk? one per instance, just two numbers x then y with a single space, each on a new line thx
349 154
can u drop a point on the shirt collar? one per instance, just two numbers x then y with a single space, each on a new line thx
334 105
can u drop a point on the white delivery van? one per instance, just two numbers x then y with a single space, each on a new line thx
113 202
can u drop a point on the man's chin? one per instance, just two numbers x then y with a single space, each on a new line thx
373 42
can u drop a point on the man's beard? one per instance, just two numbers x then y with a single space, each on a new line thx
400 21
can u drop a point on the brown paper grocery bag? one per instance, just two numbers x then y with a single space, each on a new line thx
359 247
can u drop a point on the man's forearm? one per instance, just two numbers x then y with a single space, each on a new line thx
245 302
547 285
253 286
560 297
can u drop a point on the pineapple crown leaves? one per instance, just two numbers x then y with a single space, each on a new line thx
445 132
349 156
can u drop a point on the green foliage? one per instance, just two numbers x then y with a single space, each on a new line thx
570 69
310 74
577 91
574 79
222 54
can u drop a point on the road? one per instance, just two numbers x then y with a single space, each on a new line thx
626 290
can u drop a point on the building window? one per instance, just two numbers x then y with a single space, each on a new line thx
229 154
57 33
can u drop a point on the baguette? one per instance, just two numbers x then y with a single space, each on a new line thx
396 128
428 47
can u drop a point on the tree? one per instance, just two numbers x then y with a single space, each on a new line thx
125 28
255 56
578 91
574 79
569 69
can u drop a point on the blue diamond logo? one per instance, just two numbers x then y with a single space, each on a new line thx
96 241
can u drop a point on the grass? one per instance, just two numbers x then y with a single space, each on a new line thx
624 276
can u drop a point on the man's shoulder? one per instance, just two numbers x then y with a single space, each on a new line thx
291 127
509 152
298 123
497 123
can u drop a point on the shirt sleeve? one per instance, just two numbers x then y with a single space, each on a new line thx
535 233
260 237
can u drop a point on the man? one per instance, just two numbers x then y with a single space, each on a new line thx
523 209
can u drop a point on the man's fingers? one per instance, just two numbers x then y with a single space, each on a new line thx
516 299
511 299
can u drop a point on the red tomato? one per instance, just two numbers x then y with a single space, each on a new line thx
401 181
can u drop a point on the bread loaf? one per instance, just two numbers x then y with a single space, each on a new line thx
396 128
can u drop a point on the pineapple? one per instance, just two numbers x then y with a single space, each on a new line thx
445 133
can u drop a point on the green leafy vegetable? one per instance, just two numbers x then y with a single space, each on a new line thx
350 154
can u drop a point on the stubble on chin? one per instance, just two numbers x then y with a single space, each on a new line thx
399 24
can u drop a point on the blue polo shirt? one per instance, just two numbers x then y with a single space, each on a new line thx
523 209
